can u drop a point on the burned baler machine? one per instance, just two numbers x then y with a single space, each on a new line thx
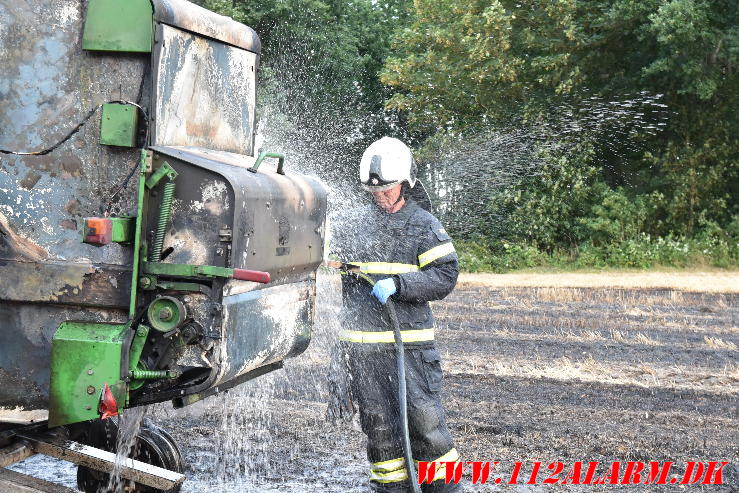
151 255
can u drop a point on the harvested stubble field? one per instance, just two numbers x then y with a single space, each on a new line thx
569 370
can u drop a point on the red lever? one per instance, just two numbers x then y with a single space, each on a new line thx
251 275
108 405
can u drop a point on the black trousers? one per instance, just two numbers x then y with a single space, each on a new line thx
374 384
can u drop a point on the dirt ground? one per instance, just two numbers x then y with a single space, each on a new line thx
718 281
531 374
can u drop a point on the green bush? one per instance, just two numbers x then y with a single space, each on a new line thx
616 218
712 247
474 255
518 256
568 217
545 209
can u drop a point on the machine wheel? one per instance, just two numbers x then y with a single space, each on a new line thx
153 446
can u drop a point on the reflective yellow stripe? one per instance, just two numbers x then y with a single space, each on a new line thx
441 462
384 267
388 471
414 335
452 455
391 477
393 470
389 465
435 253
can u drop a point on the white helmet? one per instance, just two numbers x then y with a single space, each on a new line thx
386 163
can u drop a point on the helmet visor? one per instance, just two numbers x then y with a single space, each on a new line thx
380 187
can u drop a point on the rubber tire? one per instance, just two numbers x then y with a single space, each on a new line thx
153 445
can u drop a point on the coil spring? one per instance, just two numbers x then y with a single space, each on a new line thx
165 211
149 374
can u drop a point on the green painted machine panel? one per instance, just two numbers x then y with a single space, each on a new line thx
123 229
118 125
84 357
118 25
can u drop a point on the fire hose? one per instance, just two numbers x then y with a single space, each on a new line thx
402 384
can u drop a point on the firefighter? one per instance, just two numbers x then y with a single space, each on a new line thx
405 250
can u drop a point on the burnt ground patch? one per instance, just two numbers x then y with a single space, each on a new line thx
531 374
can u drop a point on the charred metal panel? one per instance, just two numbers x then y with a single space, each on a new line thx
277 220
99 286
265 326
48 85
196 19
199 92
202 207
264 215
204 93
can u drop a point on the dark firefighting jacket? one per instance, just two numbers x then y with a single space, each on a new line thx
410 246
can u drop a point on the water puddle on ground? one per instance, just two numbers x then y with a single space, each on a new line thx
49 469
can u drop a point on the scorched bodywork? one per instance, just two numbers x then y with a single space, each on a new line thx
135 256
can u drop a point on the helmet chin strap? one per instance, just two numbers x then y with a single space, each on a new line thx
403 193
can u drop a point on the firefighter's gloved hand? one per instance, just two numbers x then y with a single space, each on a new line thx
384 289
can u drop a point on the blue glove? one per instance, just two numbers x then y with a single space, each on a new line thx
384 289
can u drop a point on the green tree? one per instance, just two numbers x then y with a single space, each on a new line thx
466 65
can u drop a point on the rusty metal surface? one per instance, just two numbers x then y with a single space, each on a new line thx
204 93
222 215
276 225
196 19
48 85
100 286
202 206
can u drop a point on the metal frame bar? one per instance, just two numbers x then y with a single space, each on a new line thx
101 460
16 482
